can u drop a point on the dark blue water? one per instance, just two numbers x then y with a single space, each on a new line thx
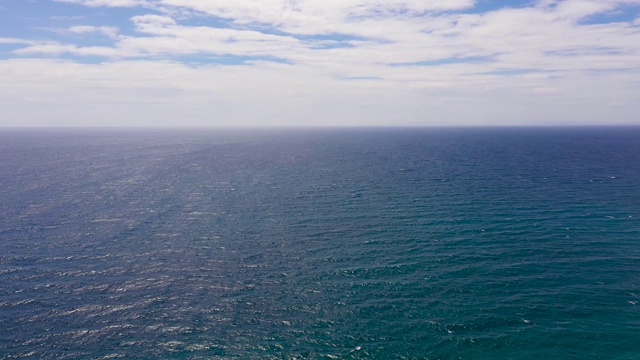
320 244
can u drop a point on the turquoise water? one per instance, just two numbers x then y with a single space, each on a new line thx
320 244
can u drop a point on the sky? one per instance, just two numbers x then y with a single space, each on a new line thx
200 63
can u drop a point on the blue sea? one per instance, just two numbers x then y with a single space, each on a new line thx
430 243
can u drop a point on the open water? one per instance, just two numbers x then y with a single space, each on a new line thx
320 244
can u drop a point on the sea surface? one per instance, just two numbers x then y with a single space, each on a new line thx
495 243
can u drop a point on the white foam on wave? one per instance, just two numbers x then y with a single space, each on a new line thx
113 356
16 303
107 220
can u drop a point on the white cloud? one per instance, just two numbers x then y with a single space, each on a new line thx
513 38
295 14
396 62
170 93
59 49
109 31
168 38
65 18
112 3
152 21
14 41
578 9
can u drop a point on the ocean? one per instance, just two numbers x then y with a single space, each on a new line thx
425 243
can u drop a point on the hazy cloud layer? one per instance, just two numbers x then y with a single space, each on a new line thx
335 62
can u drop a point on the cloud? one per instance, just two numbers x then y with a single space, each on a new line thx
53 48
349 62
111 3
168 38
171 93
14 41
108 31
513 38
313 17
65 18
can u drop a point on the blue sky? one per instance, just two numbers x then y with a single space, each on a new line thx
314 63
